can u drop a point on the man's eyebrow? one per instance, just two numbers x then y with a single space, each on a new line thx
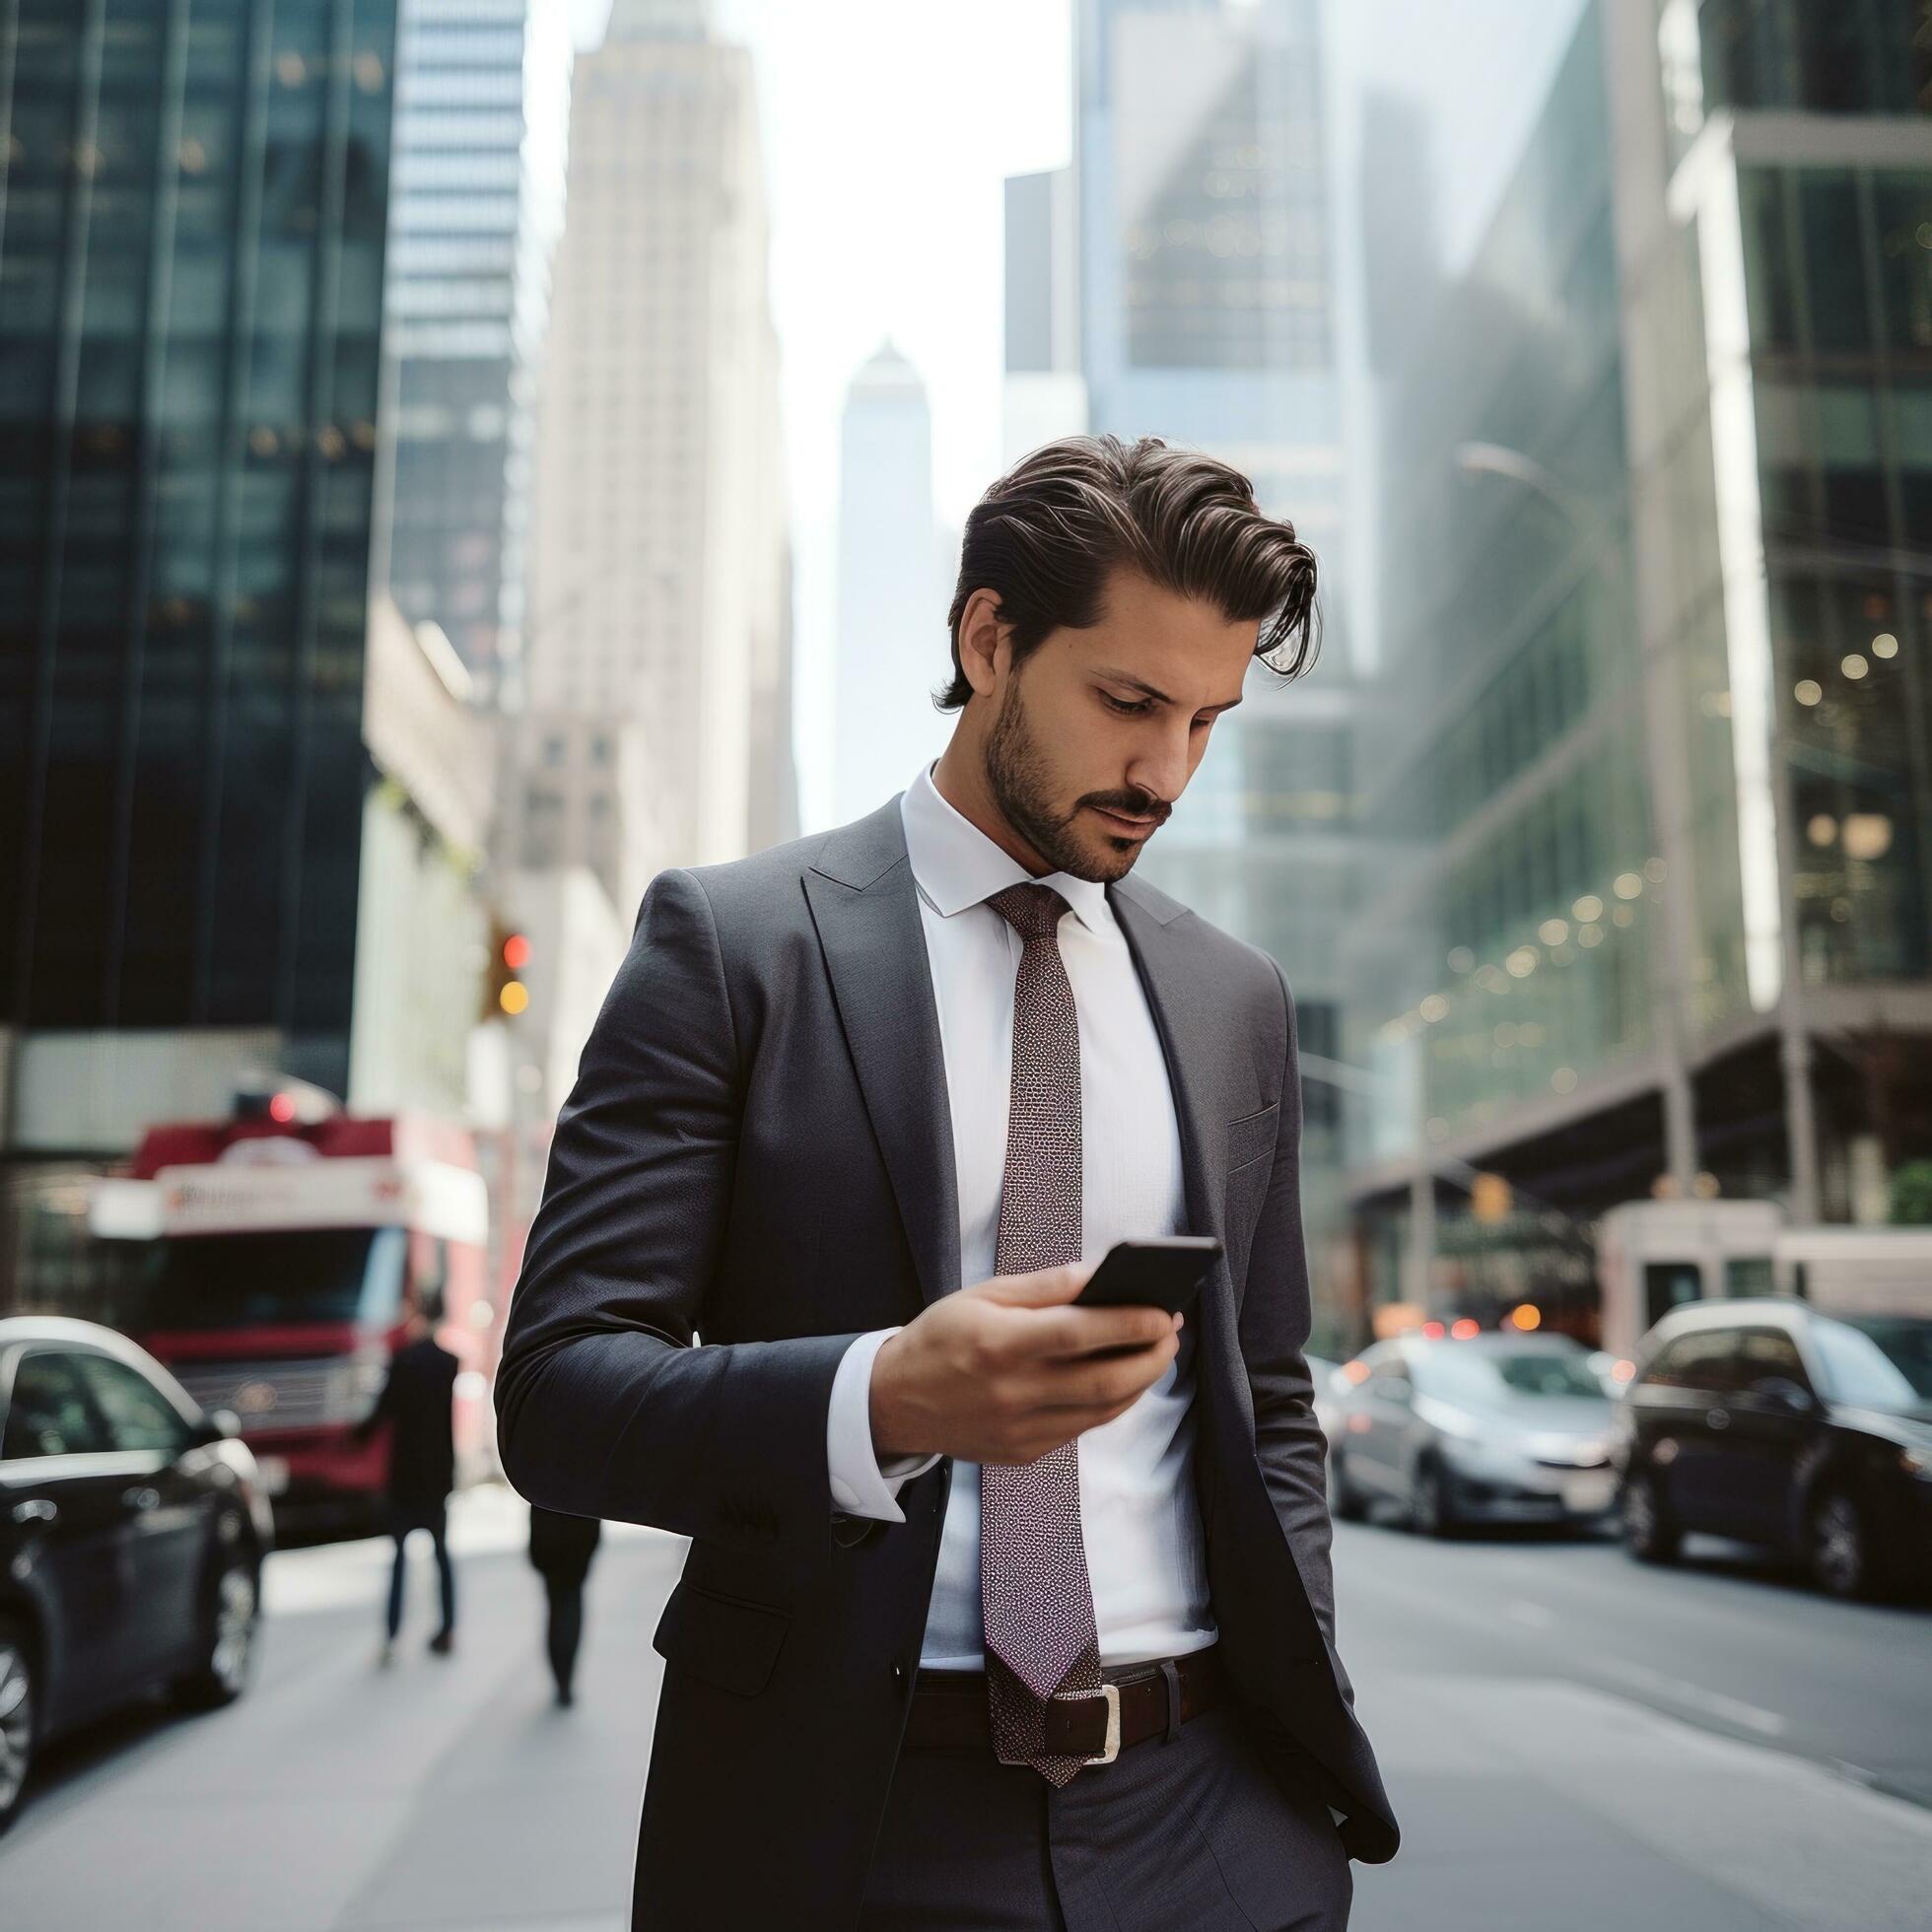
1158 696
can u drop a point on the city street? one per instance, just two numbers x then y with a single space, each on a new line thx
691 672
1571 1741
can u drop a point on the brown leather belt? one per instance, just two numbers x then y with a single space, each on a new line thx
1138 1701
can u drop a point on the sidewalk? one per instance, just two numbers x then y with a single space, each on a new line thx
451 1797
338 1798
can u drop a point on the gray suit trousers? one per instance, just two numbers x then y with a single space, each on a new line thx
1190 1836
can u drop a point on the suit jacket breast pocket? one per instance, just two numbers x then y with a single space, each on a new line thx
726 1640
1251 1139
1250 1161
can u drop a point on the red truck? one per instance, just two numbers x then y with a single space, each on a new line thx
287 1255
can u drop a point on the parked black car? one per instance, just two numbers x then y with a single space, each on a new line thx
132 1532
1772 1424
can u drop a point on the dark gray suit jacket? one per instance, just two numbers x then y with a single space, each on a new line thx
758 1152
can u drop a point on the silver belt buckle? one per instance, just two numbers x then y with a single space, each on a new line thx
1111 1748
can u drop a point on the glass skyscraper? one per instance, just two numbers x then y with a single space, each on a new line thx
482 123
1205 317
192 231
1650 739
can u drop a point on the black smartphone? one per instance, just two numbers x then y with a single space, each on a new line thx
1165 1271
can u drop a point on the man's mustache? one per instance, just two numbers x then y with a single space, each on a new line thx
1138 805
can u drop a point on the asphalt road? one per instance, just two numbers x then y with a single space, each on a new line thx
1573 1742
1725 1639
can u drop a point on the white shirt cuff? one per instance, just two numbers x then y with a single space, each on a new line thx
861 1485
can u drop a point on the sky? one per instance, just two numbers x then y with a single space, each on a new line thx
889 129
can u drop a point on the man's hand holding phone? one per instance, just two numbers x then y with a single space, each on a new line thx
1008 1370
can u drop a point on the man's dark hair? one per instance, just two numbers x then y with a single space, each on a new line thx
1047 537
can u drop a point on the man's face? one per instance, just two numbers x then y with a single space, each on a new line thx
1097 734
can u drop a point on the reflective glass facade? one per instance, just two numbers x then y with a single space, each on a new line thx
1649 762
1207 317
482 114
1821 57
191 270
1509 945
1838 262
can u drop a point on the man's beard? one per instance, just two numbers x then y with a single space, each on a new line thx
1017 772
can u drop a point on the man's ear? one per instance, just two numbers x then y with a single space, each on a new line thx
981 634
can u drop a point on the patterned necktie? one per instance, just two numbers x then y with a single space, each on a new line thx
1034 1589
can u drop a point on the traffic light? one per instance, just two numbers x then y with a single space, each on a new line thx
503 990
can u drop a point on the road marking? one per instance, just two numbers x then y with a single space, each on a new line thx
1714 1703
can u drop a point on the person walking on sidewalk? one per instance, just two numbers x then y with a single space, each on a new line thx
417 1403
998 1612
561 1549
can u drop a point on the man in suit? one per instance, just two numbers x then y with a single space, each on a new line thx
416 1405
980 1626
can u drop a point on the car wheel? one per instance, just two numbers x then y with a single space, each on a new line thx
1842 1561
1431 1507
234 1617
1345 1499
19 1718
1649 1534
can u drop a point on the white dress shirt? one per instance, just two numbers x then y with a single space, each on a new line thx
1137 1507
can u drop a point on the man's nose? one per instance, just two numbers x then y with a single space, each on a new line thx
1160 774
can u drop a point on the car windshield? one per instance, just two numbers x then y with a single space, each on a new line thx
1485 1375
1876 1361
249 1280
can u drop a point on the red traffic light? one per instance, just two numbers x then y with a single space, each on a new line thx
516 952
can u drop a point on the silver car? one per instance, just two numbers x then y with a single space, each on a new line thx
1322 1373
1497 1429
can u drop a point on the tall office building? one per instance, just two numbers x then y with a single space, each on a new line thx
1042 395
422 924
896 570
190 307
660 573
1658 720
482 117
1189 260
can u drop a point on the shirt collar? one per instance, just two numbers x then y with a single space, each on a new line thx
958 866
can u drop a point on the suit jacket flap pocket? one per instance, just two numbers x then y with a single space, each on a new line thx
725 1641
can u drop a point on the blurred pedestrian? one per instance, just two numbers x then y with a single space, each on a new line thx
417 1402
561 1549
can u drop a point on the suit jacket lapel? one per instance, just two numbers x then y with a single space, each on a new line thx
866 907
1188 1023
